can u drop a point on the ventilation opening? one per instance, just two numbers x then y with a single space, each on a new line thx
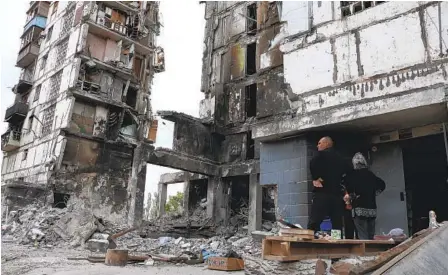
269 203
251 100
251 19
60 200
250 59
131 97
250 154
197 194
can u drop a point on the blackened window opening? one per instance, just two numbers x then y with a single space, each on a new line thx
250 59
60 200
251 18
250 153
251 100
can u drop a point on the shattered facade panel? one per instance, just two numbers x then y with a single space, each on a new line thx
84 92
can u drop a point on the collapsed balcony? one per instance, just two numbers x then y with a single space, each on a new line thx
11 140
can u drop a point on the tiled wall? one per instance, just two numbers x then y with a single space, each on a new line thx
286 163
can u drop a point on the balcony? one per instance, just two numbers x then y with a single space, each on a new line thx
37 21
25 82
27 55
16 113
11 140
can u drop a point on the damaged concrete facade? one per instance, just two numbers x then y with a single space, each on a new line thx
83 127
278 75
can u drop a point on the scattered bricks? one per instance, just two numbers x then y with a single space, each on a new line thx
341 268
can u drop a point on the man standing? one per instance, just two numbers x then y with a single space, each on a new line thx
327 170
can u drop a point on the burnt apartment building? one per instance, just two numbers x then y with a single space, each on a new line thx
279 75
82 113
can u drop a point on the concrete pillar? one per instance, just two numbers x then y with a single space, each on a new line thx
136 186
186 197
255 203
163 188
217 199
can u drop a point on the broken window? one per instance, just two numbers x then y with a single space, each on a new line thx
269 203
89 79
250 148
61 52
68 21
48 117
129 126
251 51
30 123
25 154
37 93
251 100
251 19
113 19
131 96
49 33
55 85
43 63
60 200
351 7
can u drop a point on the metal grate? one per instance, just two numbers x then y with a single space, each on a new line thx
68 20
48 118
55 85
352 7
61 52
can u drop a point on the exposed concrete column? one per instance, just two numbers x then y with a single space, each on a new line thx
217 199
136 186
186 197
163 188
255 203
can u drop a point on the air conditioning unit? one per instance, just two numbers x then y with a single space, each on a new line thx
408 133
101 21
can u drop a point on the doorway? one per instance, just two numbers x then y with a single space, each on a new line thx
425 173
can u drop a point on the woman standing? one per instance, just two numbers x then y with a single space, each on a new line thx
363 187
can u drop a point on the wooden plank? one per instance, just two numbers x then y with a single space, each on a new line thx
285 248
266 248
294 239
296 231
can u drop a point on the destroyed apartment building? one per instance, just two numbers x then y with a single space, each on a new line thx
82 119
277 76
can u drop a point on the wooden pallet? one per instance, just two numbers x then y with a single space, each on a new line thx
289 248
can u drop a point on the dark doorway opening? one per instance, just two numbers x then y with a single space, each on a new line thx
251 18
60 200
425 172
251 52
251 100
131 97
269 203
238 200
197 194
250 153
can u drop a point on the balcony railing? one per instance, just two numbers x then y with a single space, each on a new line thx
38 21
25 82
11 140
16 112
27 55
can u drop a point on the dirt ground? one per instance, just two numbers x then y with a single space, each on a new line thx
27 260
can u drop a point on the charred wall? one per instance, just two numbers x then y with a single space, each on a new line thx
97 174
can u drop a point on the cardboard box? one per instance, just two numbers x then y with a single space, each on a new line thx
226 264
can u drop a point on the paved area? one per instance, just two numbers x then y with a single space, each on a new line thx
27 260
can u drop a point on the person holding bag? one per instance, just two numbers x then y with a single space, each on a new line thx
363 186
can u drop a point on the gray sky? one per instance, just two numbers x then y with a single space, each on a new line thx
178 88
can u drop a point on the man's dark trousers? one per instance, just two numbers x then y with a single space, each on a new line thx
323 205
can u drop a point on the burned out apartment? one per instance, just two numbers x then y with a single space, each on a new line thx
82 116
277 76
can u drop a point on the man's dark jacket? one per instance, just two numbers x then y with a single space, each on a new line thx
330 167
